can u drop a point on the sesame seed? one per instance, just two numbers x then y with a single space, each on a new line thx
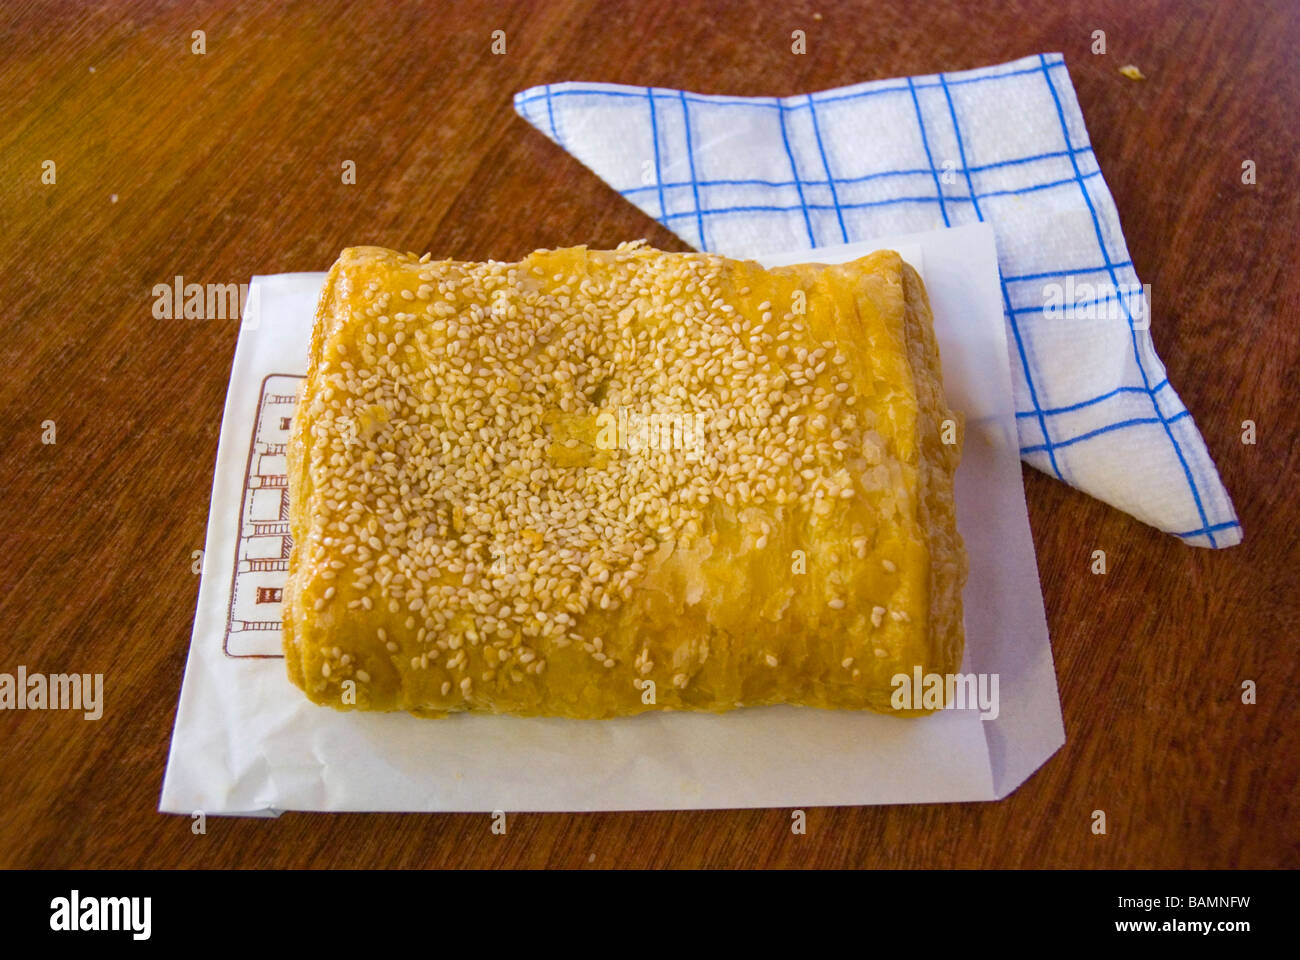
451 489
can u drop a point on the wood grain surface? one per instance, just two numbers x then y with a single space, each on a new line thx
222 165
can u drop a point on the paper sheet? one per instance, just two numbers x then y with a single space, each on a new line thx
247 742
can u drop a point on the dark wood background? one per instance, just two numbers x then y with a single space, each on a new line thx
227 164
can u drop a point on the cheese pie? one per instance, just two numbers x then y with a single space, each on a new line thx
596 483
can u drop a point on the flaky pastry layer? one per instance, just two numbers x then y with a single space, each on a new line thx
594 483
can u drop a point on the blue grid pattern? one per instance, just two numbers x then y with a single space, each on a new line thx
1004 144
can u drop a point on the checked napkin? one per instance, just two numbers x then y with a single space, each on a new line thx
745 176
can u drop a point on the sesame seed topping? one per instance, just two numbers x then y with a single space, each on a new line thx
455 469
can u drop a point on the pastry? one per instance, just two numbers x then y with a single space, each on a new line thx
595 483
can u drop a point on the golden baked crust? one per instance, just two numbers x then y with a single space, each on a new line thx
594 483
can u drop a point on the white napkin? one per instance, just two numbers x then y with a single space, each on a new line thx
747 176
247 742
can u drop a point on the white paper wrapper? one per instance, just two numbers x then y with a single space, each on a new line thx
247 742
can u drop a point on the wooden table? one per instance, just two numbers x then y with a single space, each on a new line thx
226 164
